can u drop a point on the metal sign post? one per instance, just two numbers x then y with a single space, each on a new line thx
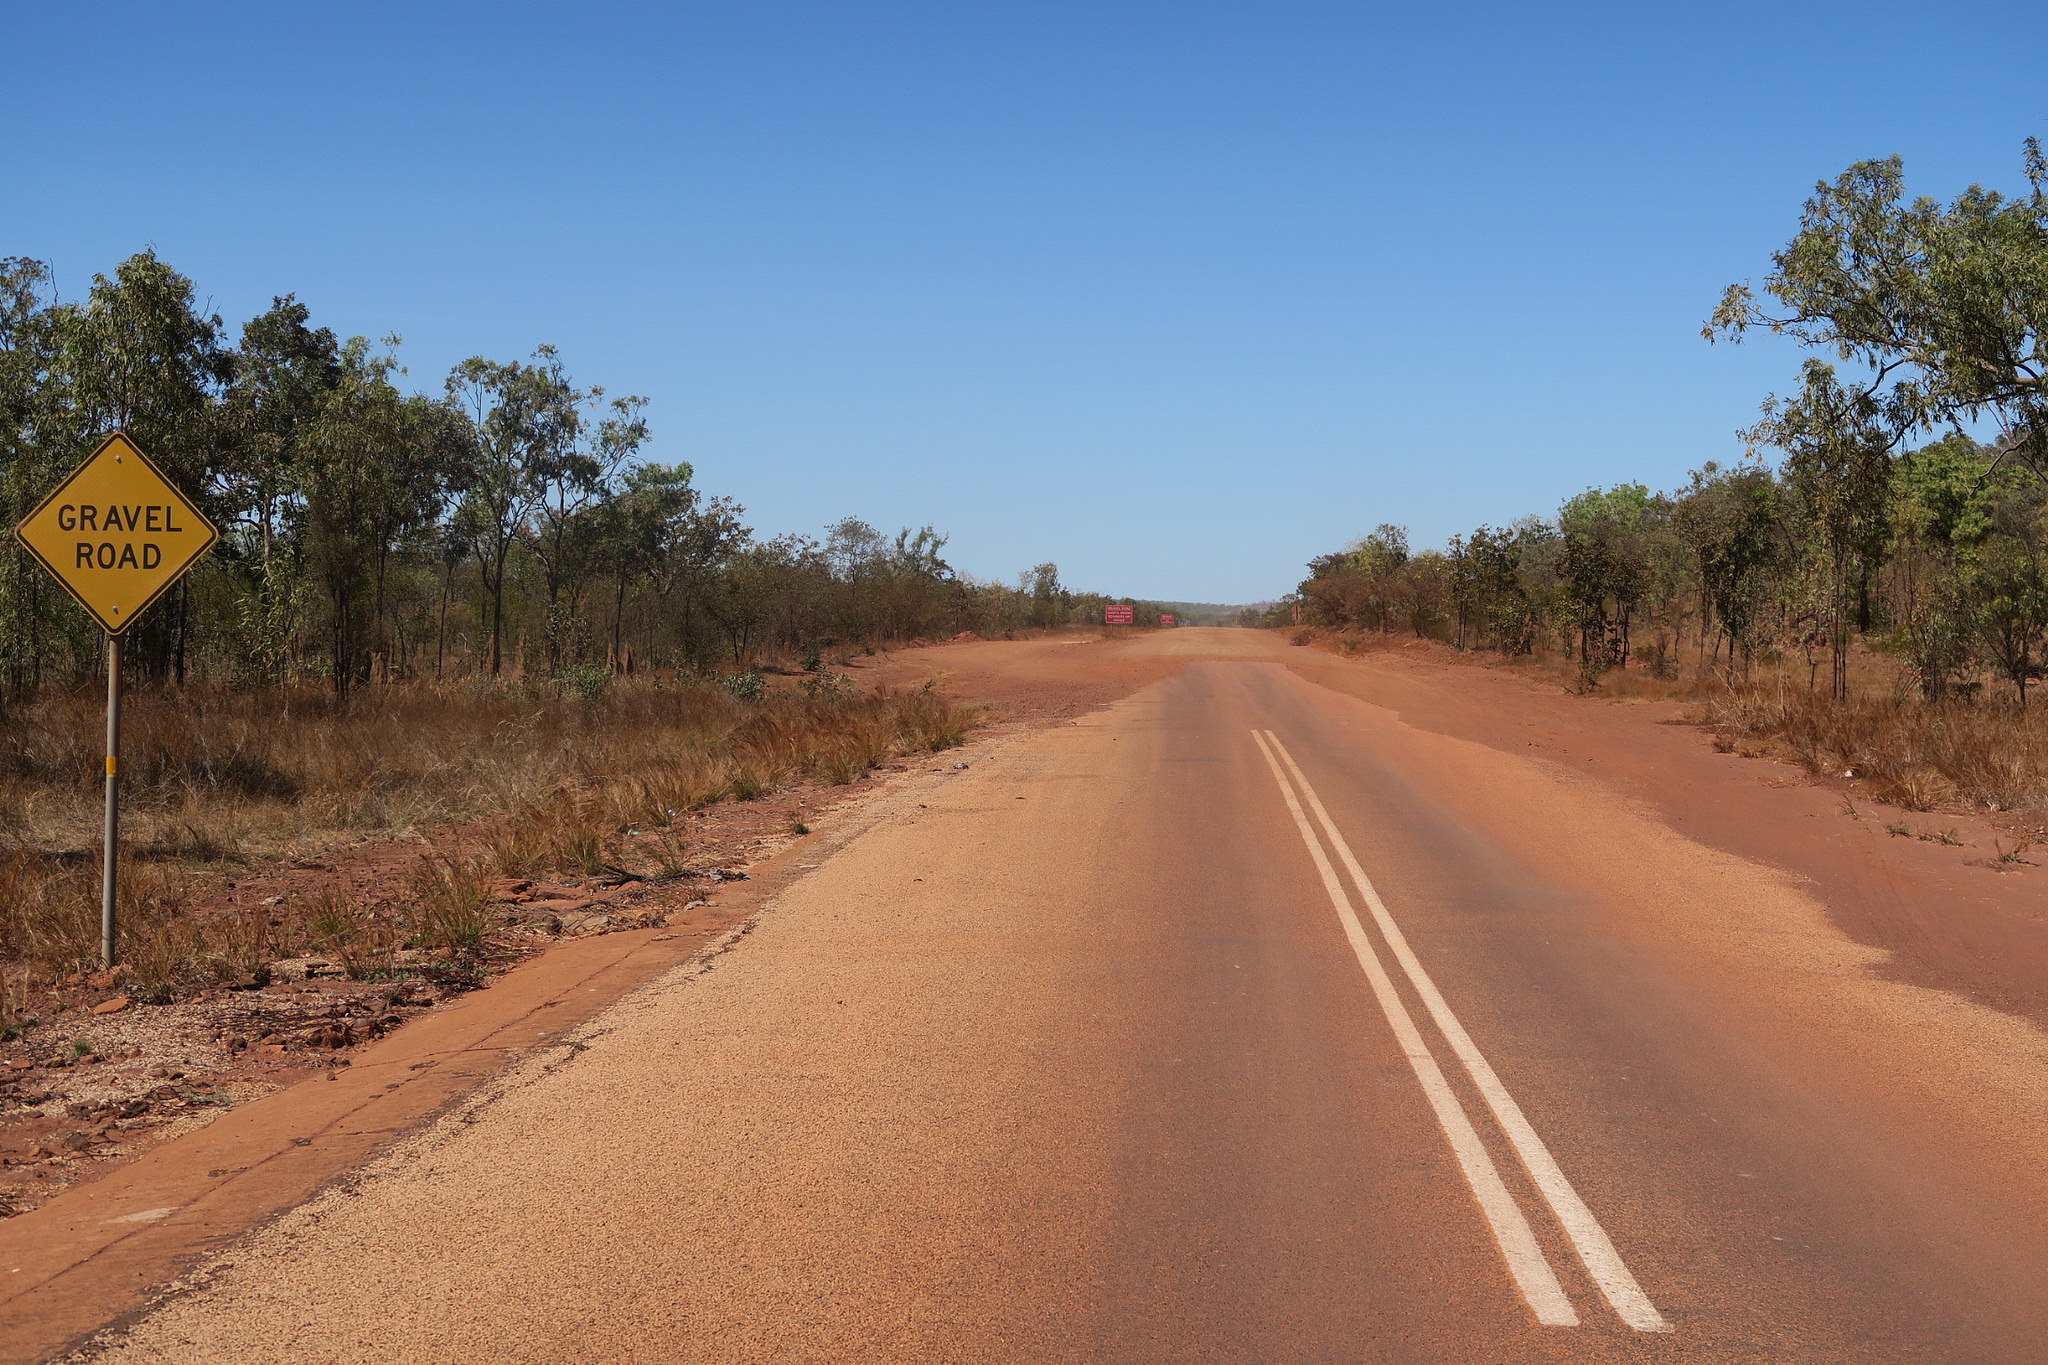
117 534
110 862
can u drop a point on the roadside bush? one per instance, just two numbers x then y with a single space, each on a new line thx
584 681
747 686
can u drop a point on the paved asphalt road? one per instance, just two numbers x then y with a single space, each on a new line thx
1238 1021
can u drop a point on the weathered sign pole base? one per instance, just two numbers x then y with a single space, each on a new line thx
110 873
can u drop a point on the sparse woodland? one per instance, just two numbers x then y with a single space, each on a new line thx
503 522
1869 584
475 607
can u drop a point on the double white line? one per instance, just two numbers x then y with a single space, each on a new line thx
1526 1263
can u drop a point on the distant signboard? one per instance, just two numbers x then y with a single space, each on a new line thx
1166 619
1119 614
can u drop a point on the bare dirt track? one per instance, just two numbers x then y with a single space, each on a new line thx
1070 1055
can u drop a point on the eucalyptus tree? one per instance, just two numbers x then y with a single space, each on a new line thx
1486 589
2008 584
27 354
854 549
583 444
1377 560
1426 582
887 589
283 374
1042 585
349 507
1593 572
451 549
1941 512
30 463
1942 309
1837 442
1604 569
857 558
1730 520
372 469
920 589
1461 584
139 356
1970 545
431 471
644 527
694 543
1333 594
518 418
771 584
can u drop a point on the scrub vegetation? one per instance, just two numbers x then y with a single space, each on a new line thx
476 607
1867 589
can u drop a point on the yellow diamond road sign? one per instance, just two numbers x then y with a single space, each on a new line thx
117 533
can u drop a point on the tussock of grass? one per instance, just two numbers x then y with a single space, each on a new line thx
451 906
1986 753
212 777
50 925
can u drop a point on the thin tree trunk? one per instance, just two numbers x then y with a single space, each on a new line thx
338 640
619 620
441 625
378 628
497 589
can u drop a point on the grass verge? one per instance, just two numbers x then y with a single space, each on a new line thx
216 781
1984 753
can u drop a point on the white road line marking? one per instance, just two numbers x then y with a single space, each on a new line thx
1527 1265
1596 1251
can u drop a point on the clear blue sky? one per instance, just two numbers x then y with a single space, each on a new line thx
1176 294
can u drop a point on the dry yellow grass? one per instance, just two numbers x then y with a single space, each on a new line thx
213 777
1987 754
1983 752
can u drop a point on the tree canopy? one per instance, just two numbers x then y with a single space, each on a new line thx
370 533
